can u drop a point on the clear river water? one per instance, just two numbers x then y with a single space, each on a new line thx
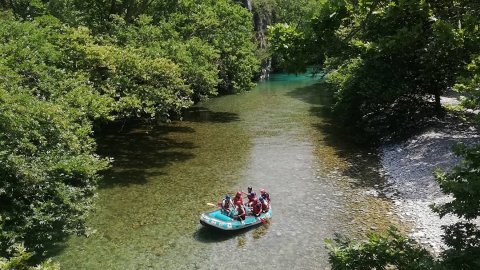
277 137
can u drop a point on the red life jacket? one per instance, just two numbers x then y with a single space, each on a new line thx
241 211
250 199
236 199
257 208
236 202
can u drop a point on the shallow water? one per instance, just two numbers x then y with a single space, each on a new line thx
274 137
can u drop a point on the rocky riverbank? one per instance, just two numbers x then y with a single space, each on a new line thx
408 168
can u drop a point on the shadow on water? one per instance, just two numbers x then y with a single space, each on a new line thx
212 235
202 114
362 159
136 150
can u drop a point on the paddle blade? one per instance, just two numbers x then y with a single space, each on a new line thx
211 204
263 221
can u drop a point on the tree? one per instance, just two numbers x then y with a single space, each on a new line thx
20 261
463 184
48 168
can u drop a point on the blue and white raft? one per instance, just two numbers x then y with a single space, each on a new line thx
220 221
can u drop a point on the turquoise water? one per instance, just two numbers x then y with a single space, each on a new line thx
275 137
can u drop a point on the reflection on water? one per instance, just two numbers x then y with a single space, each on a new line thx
274 137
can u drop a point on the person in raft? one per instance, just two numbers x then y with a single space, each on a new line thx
256 207
265 195
265 204
251 197
238 197
241 211
249 190
227 203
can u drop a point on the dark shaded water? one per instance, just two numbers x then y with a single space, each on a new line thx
273 137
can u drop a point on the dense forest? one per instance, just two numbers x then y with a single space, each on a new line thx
69 67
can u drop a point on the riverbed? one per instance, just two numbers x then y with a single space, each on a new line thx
409 168
277 137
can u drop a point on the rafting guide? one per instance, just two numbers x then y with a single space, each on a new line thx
233 214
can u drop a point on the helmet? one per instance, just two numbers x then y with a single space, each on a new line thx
262 191
227 197
239 194
261 198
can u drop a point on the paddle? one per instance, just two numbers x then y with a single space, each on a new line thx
211 204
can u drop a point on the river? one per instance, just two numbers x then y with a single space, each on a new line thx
275 137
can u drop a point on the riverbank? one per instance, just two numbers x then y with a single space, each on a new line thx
408 168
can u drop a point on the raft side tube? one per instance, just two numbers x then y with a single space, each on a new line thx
218 220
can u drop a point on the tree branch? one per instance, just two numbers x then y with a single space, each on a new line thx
363 23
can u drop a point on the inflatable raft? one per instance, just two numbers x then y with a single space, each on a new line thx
220 221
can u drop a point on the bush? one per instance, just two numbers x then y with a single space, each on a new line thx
20 261
381 251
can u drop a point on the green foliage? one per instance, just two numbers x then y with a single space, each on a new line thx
297 13
196 59
285 25
42 57
463 240
286 45
140 86
381 251
48 171
463 184
64 63
469 84
19 261
229 29
386 80
392 54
